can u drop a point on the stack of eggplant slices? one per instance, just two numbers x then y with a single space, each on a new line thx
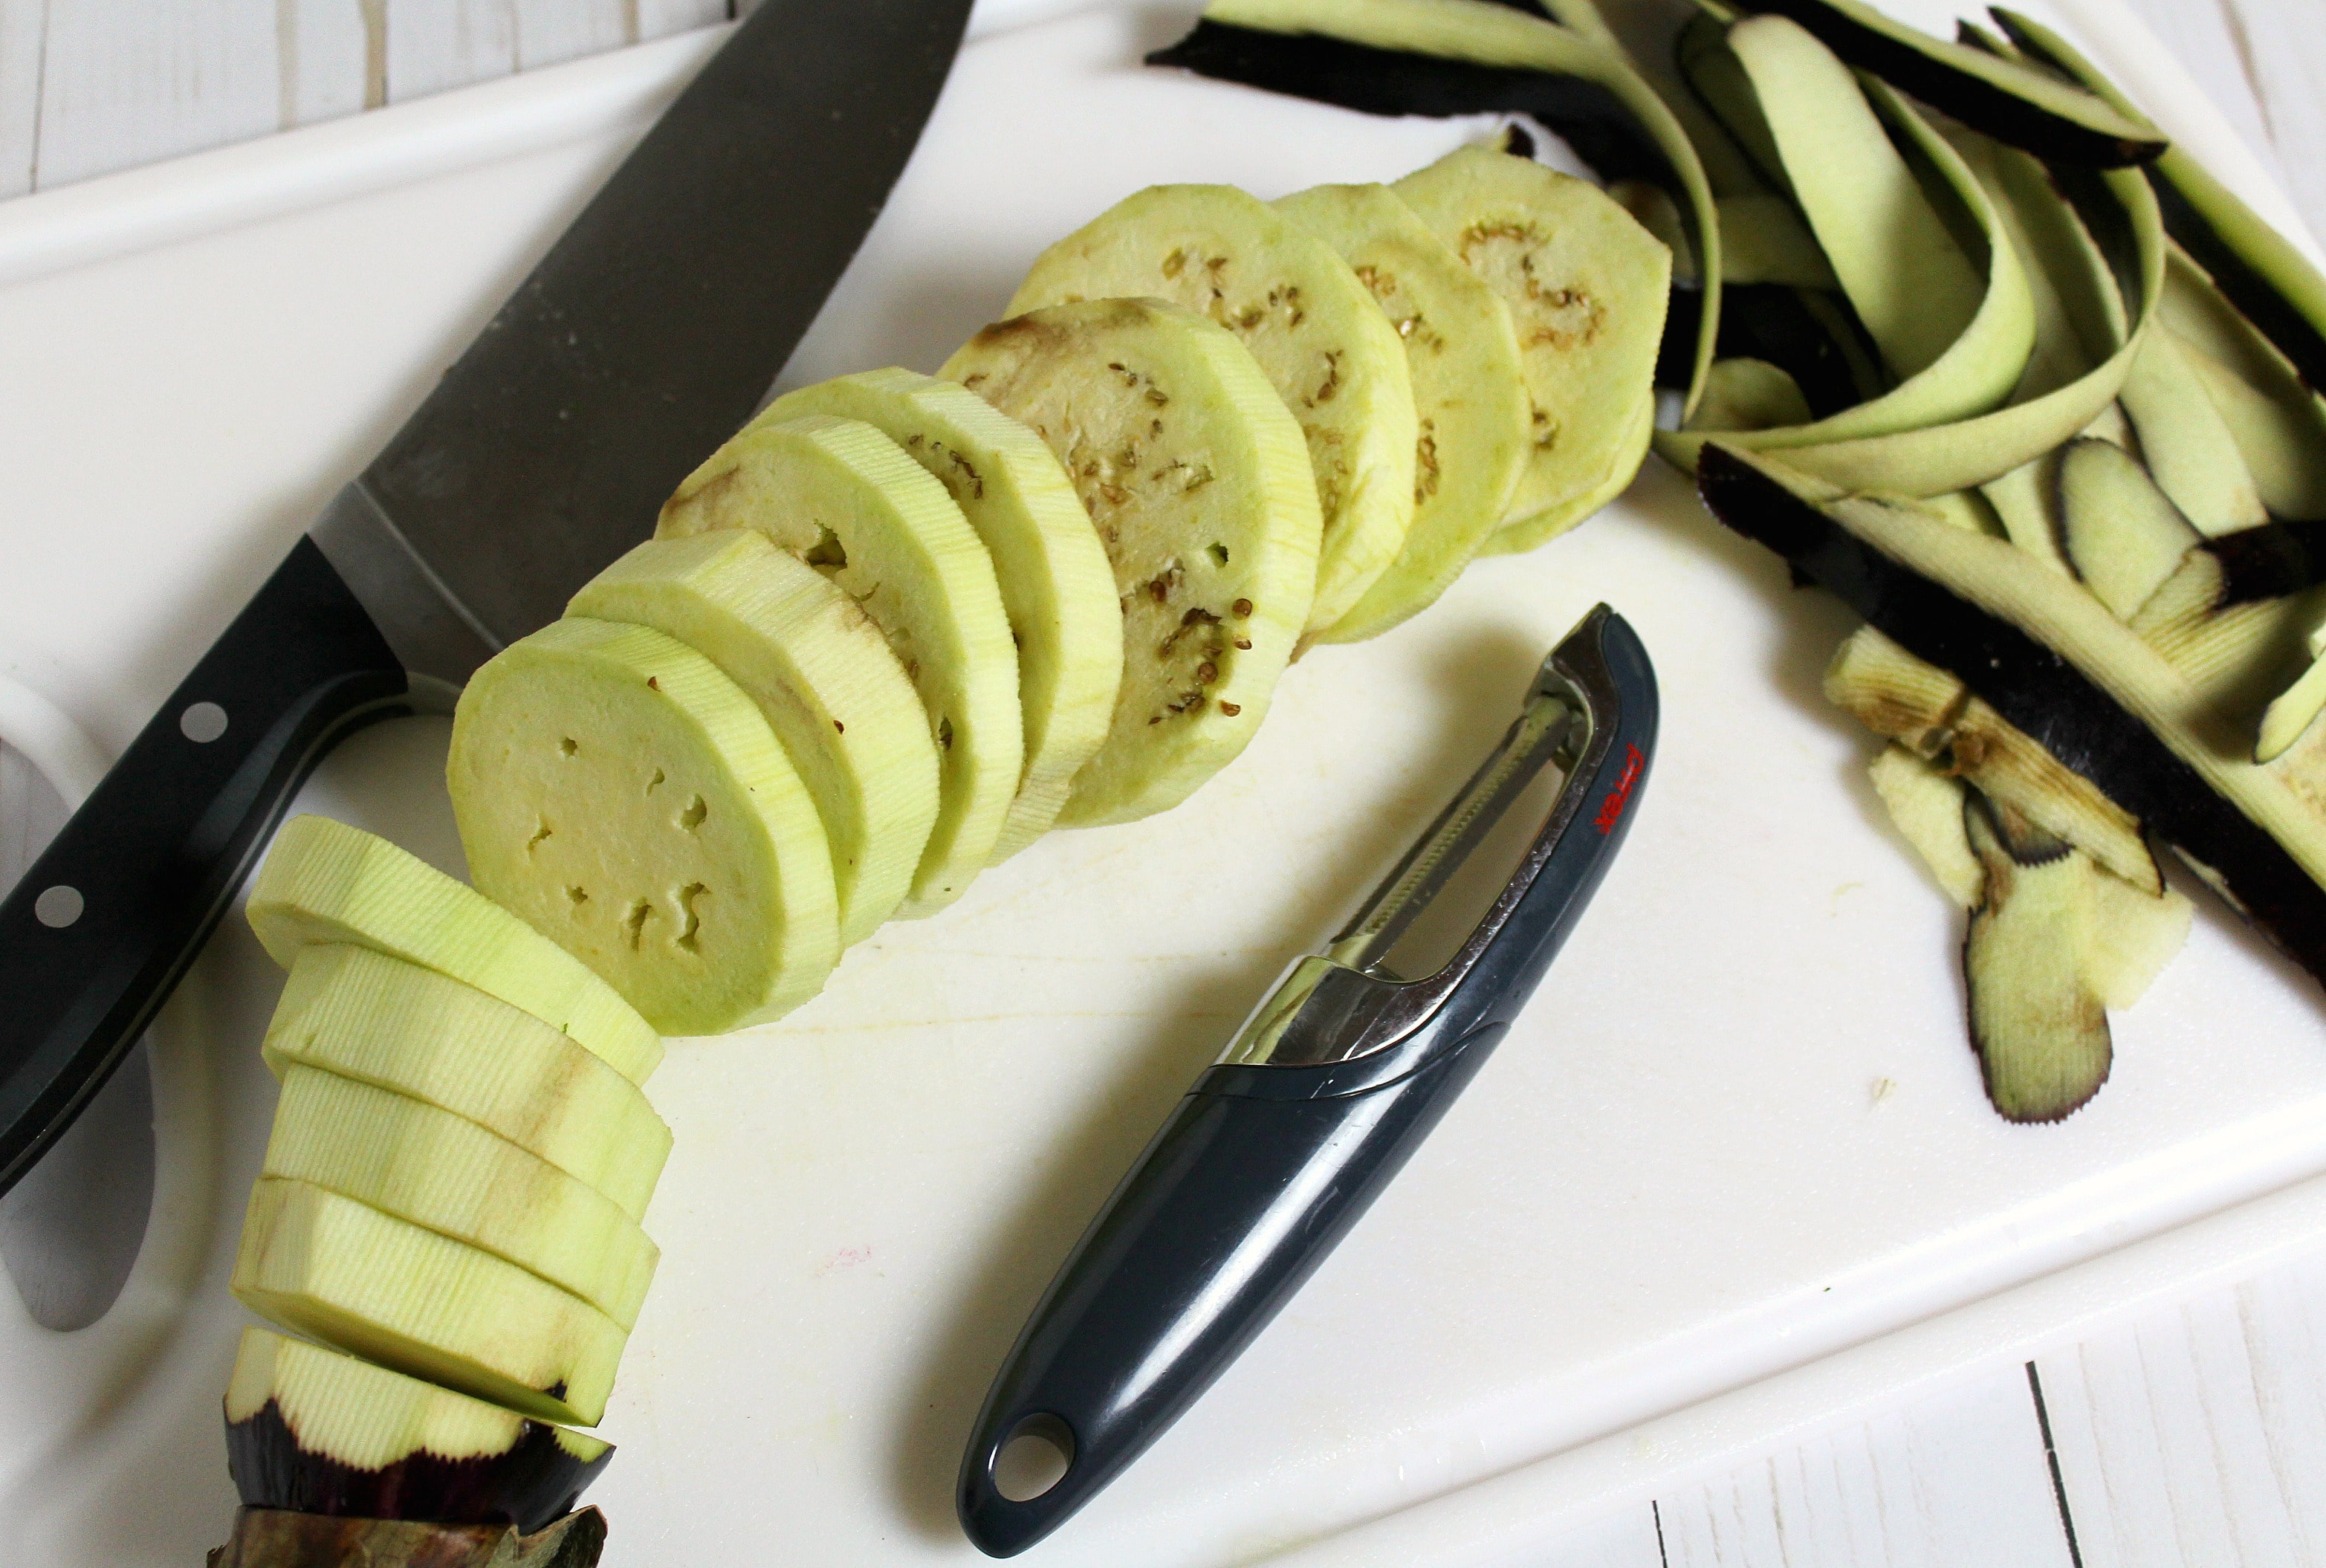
1945 324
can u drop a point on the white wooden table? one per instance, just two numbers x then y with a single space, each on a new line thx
2194 1436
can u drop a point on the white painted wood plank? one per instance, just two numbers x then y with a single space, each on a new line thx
1630 1539
118 89
2200 1435
435 44
549 31
660 18
23 24
329 59
2283 1315
2228 1441
2111 1457
1956 1478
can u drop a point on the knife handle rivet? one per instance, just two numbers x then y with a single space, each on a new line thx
202 722
58 908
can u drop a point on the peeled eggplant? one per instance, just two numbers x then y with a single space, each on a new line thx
1932 714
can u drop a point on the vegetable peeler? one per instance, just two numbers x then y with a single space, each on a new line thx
1321 1096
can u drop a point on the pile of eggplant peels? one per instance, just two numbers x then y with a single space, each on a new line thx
1958 335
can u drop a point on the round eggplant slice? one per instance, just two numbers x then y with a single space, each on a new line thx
1586 287
617 791
407 1158
364 1015
1056 586
1468 392
1548 525
845 499
393 1293
326 882
313 1430
1199 483
1314 329
825 682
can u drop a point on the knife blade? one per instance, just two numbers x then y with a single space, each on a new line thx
649 331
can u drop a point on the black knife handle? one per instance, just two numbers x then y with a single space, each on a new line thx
1228 1211
102 925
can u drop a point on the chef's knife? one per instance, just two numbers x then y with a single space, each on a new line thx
646 335
1319 1098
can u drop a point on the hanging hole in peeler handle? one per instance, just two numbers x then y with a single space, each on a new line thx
1034 1458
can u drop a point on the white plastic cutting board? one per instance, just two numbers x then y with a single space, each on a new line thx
1739 1128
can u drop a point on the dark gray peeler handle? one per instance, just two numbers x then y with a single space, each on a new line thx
1263 1169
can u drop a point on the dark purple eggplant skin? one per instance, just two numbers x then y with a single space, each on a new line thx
527 1486
1382 81
1974 101
2040 692
2253 294
2269 562
1767 322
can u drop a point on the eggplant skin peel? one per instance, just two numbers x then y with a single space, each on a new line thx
2268 280
1592 119
2001 98
2037 690
1774 322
